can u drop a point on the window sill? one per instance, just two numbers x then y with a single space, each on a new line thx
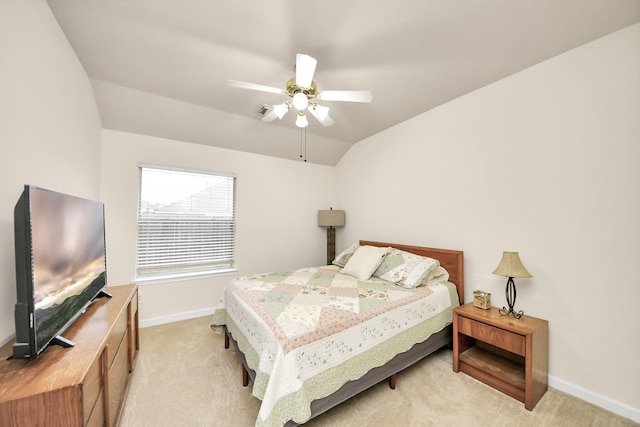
182 277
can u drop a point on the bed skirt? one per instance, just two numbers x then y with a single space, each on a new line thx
374 376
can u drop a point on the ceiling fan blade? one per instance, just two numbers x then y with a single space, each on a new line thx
346 95
253 86
305 68
321 113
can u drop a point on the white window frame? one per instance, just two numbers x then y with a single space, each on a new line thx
182 233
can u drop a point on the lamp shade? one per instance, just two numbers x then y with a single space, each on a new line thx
281 109
300 101
321 111
511 266
301 120
331 218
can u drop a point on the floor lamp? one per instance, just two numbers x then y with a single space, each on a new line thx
331 219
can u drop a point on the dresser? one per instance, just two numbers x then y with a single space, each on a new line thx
84 385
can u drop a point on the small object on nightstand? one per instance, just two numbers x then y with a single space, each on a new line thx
482 299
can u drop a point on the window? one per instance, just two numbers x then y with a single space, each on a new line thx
186 223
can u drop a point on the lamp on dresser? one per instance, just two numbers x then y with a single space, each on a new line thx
330 219
510 266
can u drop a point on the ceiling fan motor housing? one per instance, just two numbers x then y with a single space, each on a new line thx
293 88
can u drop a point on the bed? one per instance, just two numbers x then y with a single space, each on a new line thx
300 363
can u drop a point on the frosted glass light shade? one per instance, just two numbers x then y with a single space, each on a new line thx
300 101
301 121
280 110
321 112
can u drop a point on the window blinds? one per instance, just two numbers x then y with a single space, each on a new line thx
186 223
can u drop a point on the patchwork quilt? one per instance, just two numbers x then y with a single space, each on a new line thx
309 331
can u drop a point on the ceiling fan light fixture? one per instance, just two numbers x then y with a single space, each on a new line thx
301 120
321 112
300 101
303 92
281 109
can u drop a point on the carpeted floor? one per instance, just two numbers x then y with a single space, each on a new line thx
184 377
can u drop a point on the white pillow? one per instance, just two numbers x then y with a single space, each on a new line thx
438 275
364 261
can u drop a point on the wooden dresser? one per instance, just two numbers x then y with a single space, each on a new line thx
511 355
84 385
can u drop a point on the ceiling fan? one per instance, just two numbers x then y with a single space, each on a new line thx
303 92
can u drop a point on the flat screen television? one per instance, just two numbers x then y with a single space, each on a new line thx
60 265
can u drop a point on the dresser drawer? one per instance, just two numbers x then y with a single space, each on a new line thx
134 305
135 344
118 377
97 415
499 337
119 329
91 388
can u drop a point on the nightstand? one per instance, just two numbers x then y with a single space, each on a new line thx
510 355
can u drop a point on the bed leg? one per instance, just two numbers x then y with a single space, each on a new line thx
226 339
392 382
245 376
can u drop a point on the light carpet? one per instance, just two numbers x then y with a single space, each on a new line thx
185 377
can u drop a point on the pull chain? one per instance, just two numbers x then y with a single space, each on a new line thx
303 143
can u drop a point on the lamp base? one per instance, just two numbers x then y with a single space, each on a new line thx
331 245
510 293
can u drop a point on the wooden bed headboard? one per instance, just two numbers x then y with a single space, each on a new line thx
451 260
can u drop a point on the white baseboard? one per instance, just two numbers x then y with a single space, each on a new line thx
599 400
176 317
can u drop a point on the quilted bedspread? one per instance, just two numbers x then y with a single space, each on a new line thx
309 331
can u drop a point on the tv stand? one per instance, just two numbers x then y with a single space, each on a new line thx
103 294
62 342
57 340
84 385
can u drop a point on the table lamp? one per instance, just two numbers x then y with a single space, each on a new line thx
510 266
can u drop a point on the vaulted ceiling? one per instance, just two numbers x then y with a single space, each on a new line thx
160 67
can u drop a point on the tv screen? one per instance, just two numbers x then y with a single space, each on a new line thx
60 265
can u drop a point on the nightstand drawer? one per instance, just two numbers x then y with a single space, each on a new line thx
499 337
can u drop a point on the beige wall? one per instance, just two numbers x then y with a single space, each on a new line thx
544 162
49 125
276 207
